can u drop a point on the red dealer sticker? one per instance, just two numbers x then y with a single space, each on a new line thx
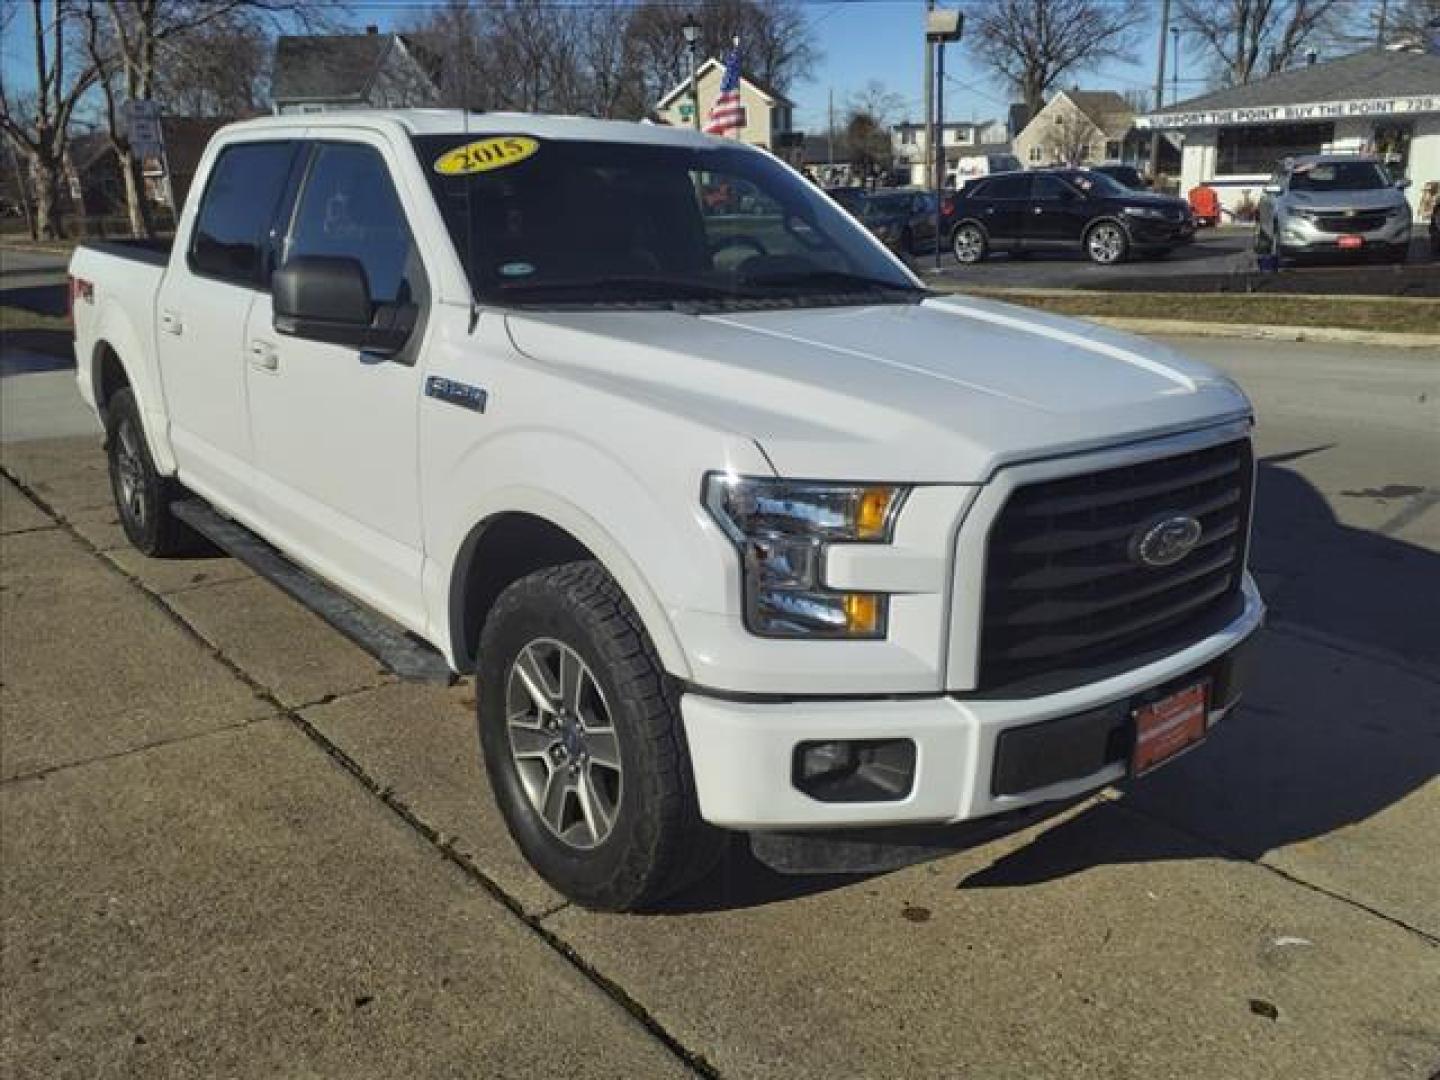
1164 728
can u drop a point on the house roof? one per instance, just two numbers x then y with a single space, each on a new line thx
1106 109
773 96
339 67
1362 75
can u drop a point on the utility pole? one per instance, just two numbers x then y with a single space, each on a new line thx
941 27
1159 92
1380 25
830 132
929 98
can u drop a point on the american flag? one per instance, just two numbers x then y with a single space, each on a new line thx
728 114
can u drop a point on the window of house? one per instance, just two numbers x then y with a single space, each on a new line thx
1259 149
1036 154
349 208
907 136
241 197
1112 150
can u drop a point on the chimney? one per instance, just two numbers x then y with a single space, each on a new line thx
372 29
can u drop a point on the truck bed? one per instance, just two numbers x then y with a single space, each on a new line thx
155 252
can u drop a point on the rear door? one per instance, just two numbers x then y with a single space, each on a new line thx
334 428
1001 208
201 313
1056 214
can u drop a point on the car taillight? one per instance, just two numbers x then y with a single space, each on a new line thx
79 289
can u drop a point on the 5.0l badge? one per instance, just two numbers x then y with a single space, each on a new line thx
1166 540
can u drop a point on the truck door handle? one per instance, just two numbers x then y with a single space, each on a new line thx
171 322
264 356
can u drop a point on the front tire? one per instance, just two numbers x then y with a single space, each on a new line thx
1106 243
142 495
583 743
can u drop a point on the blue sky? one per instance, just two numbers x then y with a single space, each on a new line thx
876 39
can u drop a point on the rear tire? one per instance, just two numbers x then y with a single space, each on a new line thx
969 244
142 495
583 742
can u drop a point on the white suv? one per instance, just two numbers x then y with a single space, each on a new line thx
1332 204
741 527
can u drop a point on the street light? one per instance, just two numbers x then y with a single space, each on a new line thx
691 30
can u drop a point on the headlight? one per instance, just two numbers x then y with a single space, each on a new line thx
1147 212
781 528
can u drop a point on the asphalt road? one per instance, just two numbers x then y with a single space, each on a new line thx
1217 258
229 845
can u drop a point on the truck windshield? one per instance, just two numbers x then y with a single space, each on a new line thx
576 223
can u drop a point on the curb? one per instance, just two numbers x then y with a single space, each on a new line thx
1323 335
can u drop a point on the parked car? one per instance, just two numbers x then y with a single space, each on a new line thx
1060 209
738 530
974 166
1125 175
851 197
902 219
1334 205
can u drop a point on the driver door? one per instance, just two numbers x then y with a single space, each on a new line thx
333 428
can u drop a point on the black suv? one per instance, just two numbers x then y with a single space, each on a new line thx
1050 209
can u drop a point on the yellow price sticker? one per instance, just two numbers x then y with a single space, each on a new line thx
485 155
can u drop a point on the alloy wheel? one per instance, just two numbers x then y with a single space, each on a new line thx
969 244
1106 243
563 742
130 474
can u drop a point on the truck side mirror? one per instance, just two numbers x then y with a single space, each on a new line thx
327 298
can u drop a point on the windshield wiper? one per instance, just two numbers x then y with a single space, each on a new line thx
833 279
634 287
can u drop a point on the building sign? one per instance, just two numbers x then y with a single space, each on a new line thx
1290 114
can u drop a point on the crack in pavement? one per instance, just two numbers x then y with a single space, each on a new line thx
65 766
691 1059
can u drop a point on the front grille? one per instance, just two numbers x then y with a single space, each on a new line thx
1340 223
1065 601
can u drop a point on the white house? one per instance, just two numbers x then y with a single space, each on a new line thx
960 138
768 113
1379 102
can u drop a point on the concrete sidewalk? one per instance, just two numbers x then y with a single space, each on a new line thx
230 845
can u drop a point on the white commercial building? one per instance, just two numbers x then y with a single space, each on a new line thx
1385 103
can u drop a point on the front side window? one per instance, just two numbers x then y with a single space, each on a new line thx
349 208
575 222
1052 188
240 202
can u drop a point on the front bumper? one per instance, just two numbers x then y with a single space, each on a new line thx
1301 236
743 751
1149 232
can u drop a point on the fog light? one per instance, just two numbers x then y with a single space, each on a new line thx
855 770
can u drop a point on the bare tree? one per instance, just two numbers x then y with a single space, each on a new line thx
867 143
1031 44
37 126
219 69
878 101
126 41
1249 39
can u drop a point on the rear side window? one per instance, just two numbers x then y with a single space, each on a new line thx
240 201
1008 187
349 208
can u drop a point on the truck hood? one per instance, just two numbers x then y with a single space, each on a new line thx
944 391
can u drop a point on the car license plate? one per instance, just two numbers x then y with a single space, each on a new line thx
1351 241
1165 727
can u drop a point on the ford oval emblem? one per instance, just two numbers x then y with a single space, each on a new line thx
1165 540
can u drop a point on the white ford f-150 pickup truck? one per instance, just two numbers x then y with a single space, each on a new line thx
739 526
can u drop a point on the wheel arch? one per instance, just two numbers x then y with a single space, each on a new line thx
532 534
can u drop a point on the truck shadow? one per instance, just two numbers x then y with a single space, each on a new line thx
1325 738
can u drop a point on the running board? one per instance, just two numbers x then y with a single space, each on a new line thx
400 651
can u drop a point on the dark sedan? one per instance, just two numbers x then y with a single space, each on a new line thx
1063 209
903 220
